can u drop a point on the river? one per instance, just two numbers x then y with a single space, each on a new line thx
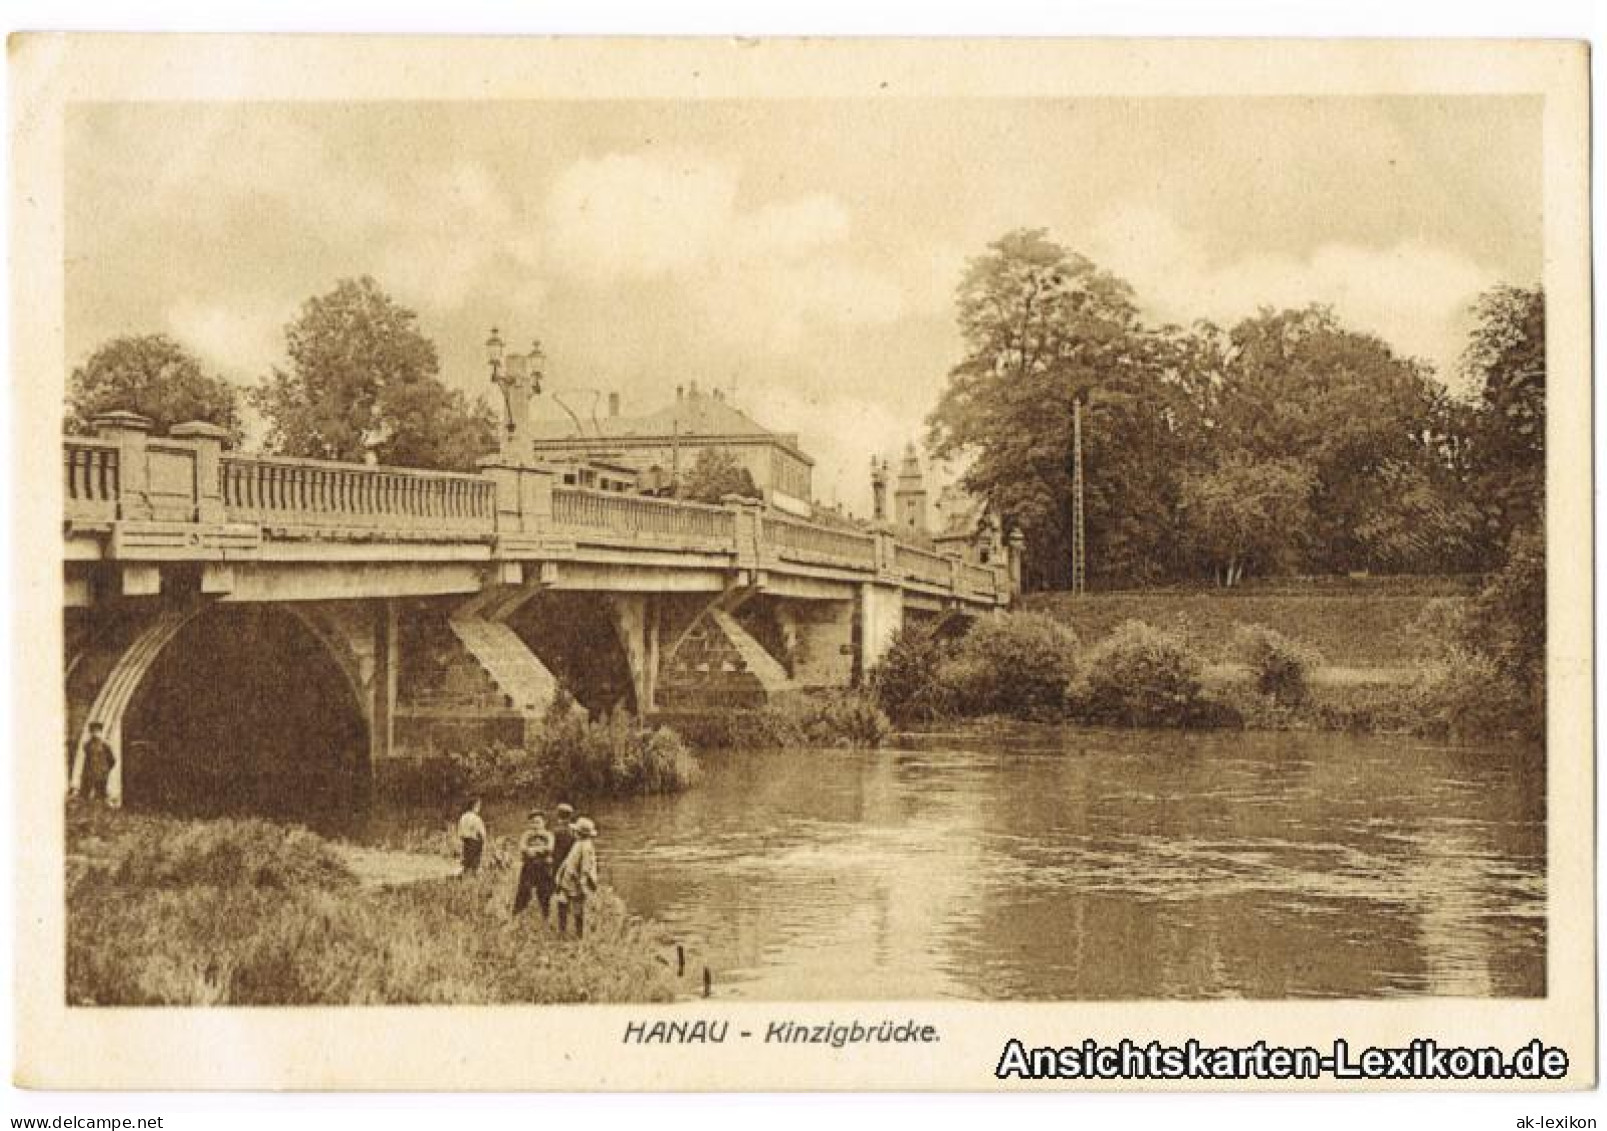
1044 864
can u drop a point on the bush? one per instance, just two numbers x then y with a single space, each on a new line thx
1011 664
1507 624
1439 628
840 718
1280 666
906 683
575 755
1139 676
1470 696
580 757
832 718
497 770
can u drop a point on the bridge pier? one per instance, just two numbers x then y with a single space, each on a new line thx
382 708
881 615
818 639
637 622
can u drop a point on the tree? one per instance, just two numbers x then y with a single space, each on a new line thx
1247 514
1505 364
1043 328
1421 523
155 376
361 378
1297 384
715 473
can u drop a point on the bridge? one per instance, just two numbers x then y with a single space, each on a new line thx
213 598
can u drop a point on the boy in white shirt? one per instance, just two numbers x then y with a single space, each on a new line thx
471 832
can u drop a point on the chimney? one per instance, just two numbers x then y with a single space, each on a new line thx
613 404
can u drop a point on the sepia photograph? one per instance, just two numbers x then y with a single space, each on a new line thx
761 544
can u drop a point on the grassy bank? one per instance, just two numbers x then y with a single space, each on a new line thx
1426 657
1355 623
164 911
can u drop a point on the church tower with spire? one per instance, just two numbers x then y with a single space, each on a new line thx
909 499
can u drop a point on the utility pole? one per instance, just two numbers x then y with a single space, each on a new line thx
1079 563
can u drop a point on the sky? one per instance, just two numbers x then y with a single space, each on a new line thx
801 254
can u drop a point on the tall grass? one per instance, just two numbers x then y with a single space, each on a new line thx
170 912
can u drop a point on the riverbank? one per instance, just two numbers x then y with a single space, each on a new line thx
1370 624
1434 657
174 911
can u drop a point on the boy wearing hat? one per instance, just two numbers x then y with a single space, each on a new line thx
577 877
535 863
563 839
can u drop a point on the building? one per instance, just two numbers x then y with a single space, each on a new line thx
660 446
966 527
956 524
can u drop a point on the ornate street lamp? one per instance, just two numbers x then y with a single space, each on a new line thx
493 353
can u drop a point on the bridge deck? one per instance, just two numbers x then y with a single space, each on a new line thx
135 498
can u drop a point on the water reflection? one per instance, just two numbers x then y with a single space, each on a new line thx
1044 864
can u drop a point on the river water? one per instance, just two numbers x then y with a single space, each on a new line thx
1039 863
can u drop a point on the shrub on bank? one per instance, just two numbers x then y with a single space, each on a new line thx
829 718
1139 676
1010 664
906 682
216 938
1439 628
578 756
1280 666
1469 695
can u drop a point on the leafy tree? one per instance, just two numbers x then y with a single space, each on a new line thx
361 377
1247 514
716 473
1421 523
1505 363
155 376
1044 328
1300 385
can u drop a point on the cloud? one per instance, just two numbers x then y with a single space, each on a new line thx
758 279
624 217
1411 293
240 336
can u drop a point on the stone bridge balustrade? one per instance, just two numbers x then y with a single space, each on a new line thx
793 540
150 490
294 495
637 519
90 488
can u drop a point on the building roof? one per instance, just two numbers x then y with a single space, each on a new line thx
696 415
961 513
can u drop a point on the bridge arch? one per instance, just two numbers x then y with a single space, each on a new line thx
321 667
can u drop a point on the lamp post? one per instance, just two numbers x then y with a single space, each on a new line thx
519 378
493 353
